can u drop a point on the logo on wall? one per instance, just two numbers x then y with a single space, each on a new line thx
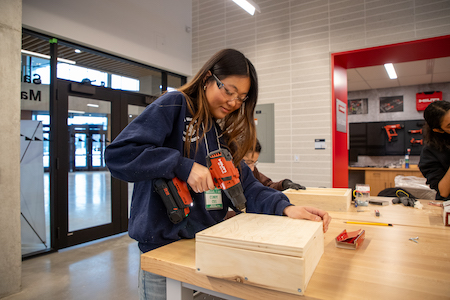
425 98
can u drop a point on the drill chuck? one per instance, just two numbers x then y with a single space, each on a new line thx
236 195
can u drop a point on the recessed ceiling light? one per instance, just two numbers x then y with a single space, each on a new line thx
77 51
92 105
390 70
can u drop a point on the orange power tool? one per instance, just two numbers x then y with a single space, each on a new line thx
176 197
226 176
414 141
392 133
419 131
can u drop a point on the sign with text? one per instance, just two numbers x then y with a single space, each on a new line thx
425 98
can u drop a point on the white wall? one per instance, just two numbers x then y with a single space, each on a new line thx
290 43
152 32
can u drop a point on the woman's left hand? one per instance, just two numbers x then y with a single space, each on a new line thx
308 213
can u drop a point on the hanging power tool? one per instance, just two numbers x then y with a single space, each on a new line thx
413 131
392 133
176 197
413 141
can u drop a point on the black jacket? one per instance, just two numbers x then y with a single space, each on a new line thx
434 164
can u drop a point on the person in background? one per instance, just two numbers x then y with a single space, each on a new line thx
172 138
435 157
251 159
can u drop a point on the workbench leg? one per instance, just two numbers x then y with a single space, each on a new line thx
175 290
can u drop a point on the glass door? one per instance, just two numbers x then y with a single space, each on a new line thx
89 181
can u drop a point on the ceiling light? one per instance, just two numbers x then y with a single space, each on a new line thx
76 111
390 70
92 105
248 5
63 60
35 54
77 51
67 61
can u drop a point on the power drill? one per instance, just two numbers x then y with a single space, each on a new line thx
177 198
226 176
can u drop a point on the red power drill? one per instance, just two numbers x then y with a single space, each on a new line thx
226 176
176 197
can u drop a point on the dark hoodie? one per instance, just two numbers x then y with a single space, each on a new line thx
151 147
434 164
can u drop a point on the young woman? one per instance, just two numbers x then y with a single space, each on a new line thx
172 138
435 157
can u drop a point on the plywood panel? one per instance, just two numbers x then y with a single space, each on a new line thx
328 199
267 251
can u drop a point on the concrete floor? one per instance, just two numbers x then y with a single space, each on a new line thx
103 269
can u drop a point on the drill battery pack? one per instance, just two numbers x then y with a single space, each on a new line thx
176 197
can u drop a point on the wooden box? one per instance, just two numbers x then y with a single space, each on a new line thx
274 252
328 199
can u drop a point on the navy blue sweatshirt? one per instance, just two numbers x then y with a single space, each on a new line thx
151 147
434 164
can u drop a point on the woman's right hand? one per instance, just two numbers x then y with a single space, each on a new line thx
200 179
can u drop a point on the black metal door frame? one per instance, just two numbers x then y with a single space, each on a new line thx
60 163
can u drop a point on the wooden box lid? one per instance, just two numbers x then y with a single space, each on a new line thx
263 233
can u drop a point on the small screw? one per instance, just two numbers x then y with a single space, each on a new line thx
198 269
299 290
246 278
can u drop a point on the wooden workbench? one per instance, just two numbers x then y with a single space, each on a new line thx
387 266
397 214
383 178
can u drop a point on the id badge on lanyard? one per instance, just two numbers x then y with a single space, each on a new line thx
213 199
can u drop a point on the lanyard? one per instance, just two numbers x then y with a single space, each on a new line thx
206 139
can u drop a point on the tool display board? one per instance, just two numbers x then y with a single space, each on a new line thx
372 138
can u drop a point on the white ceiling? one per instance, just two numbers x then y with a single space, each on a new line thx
409 73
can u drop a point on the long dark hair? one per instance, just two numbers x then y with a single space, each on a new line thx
433 116
239 126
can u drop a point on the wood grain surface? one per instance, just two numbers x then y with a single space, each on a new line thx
387 266
329 199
